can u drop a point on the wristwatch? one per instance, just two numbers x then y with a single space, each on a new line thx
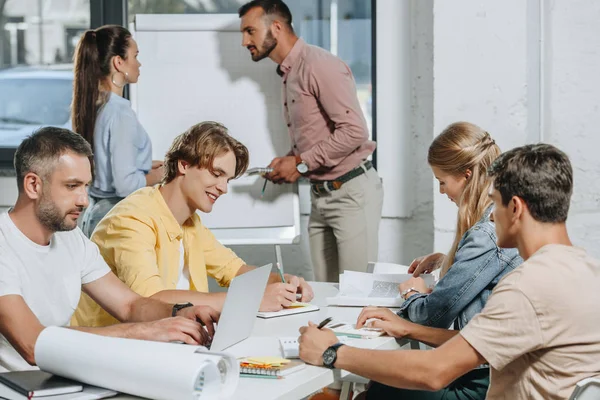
301 166
407 291
180 306
330 355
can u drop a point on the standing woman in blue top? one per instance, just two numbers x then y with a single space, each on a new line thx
459 158
105 61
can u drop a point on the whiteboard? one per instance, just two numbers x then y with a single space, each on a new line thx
194 69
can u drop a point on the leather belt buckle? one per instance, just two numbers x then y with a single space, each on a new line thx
336 184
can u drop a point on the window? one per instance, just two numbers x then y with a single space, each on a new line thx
37 41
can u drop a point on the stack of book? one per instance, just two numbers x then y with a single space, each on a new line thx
268 367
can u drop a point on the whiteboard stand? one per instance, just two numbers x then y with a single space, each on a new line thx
277 235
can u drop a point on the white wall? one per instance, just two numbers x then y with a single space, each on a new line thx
480 76
572 101
526 72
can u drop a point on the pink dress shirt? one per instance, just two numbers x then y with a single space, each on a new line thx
324 119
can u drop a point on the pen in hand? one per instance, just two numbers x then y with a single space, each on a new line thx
262 193
279 265
324 322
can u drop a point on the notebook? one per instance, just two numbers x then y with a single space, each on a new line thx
36 384
269 366
295 308
88 393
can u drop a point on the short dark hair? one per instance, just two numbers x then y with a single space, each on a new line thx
199 146
39 152
270 7
541 175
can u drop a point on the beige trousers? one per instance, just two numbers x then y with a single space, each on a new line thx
344 227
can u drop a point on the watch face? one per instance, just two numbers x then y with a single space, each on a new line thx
329 357
302 168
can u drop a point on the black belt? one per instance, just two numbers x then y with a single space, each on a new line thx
322 187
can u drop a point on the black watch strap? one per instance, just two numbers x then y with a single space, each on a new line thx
180 306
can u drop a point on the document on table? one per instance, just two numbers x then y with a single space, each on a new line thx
295 308
138 367
364 289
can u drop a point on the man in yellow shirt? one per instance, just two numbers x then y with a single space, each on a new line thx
155 242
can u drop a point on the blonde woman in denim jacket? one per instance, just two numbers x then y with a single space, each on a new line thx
459 158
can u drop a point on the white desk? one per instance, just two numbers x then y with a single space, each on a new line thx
265 341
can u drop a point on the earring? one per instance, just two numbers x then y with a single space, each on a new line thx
120 82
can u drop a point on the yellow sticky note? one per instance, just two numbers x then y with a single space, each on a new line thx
298 305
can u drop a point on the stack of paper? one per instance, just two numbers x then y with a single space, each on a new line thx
365 289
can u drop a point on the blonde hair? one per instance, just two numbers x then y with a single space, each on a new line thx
460 147
199 146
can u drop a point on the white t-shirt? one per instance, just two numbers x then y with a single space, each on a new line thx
49 278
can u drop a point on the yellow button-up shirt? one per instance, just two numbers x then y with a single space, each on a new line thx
140 240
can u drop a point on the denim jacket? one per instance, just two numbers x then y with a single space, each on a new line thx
462 293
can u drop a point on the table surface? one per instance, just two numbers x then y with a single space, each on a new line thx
264 341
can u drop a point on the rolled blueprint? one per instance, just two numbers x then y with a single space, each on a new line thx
138 367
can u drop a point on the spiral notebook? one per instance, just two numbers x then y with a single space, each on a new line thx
273 366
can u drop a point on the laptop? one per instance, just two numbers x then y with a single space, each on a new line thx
241 307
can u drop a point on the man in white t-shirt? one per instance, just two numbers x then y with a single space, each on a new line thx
45 260
540 328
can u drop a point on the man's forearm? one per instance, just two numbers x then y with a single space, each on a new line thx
146 309
434 337
125 330
409 369
273 277
214 300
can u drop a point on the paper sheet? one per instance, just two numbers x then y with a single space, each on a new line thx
141 368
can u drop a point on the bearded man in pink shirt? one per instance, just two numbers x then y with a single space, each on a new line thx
329 137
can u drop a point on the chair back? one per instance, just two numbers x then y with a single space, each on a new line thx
587 389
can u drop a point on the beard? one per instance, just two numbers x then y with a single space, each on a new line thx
268 45
52 218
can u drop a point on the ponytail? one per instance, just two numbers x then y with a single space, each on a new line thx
86 86
92 59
